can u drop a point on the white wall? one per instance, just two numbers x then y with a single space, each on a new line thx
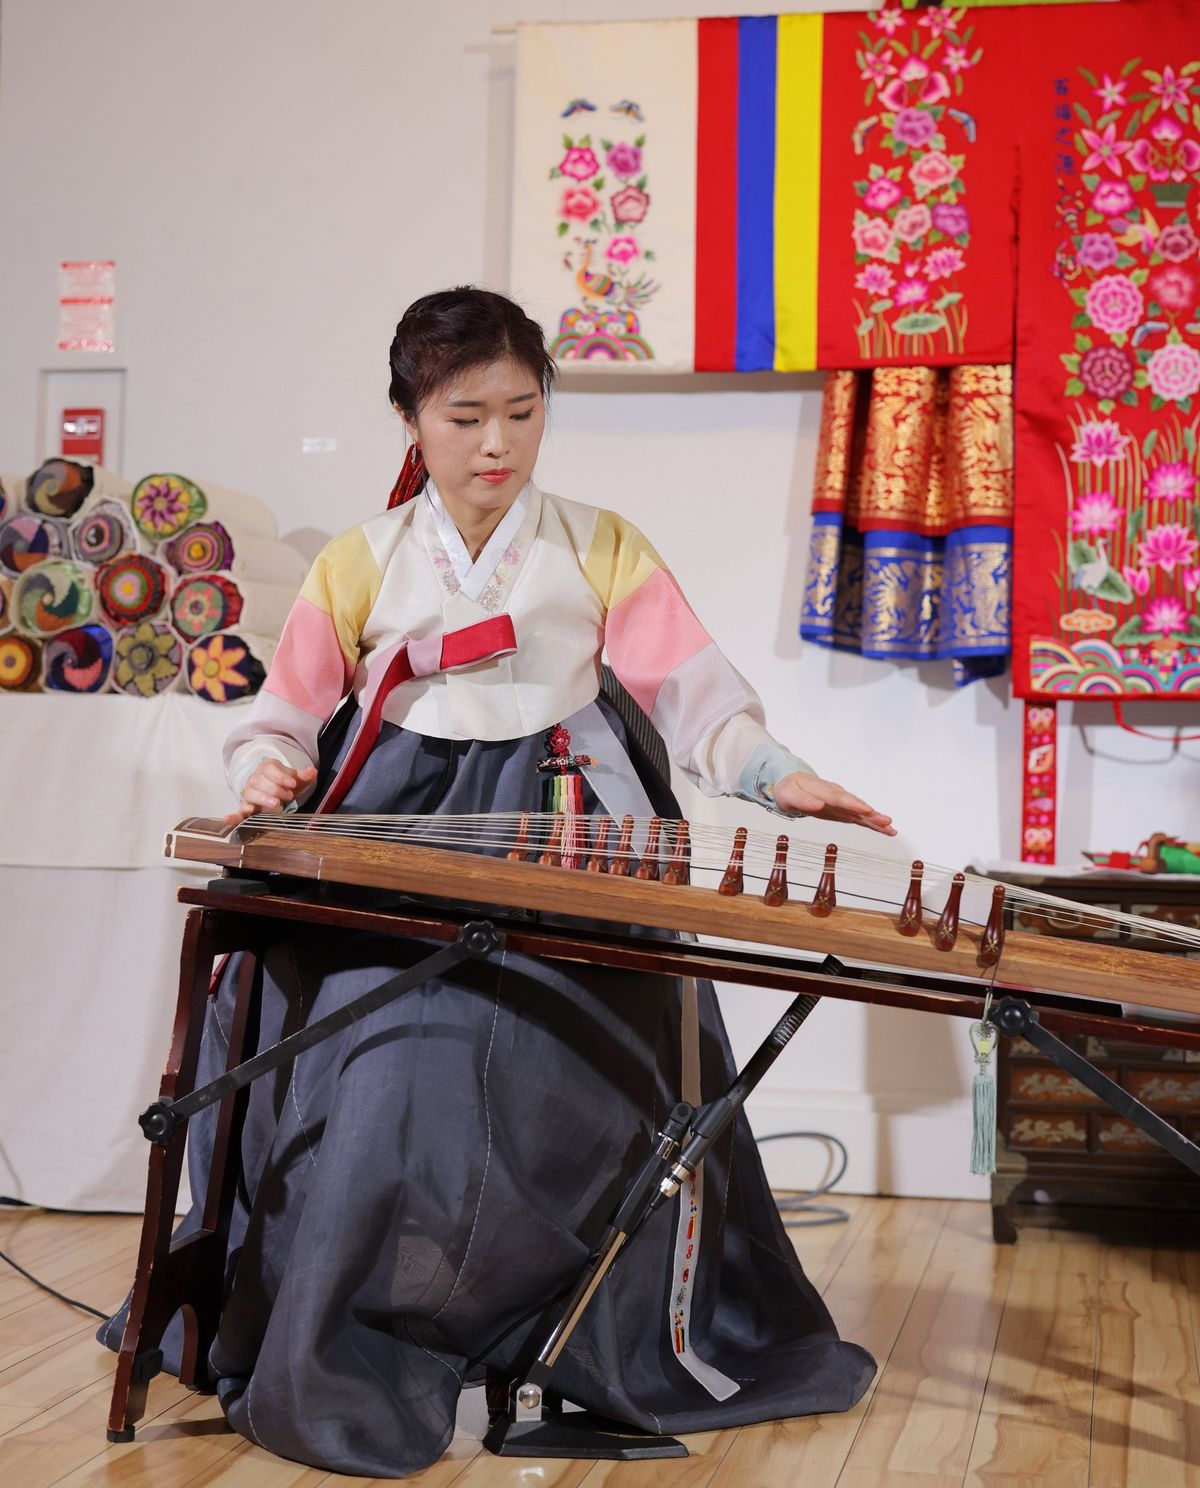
276 180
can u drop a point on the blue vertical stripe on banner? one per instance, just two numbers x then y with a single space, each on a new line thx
755 349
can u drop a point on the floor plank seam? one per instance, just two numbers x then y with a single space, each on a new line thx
882 1369
109 1449
1012 1272
1095 1360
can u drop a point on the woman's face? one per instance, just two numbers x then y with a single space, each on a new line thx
480 435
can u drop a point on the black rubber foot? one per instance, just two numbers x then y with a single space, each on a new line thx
124 1435
578 1434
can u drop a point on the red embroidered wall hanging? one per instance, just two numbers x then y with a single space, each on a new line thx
1107 563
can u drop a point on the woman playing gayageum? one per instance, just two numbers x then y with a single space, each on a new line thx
416 1186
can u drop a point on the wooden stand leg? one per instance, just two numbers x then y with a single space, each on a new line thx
186 1277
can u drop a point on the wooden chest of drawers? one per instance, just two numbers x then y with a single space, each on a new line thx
1060 1151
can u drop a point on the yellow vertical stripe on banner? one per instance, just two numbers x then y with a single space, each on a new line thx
797 189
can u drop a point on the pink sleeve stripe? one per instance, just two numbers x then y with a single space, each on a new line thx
649 633
309 670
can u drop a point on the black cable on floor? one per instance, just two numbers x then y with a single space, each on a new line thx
70 1301
800 1204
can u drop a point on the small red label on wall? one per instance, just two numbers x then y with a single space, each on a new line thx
83 434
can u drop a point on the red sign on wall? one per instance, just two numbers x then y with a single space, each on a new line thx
83 434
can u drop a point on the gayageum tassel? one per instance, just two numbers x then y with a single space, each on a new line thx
983 1101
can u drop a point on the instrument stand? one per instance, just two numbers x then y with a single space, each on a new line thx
1014 1017
529 1420
477 939
186 1275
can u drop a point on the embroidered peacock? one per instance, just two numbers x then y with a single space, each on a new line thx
600 288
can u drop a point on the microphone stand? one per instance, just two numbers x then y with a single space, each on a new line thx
528 1419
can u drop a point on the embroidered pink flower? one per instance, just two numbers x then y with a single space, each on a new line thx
1114 303
1097 251
1174 288
1174 371
1177 242
882 194
579 202
1111 198
1191 580
930 172
914 126
624 159
877 67
912 292
622 248
1170 157
915 70
1095 513
936 88
1173 482
1106 149
894 95
1106 371
1110 94
1167 546
876 279
951 219
912 223
889 20
1169 89
874 237
1165 616
956 60
936 20
1097 442
580 163
1137 579
630 204
943 262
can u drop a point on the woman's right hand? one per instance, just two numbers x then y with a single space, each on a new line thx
270 788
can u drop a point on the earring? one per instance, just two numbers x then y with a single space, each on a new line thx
411 479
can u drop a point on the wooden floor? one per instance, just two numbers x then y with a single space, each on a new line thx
1060 1361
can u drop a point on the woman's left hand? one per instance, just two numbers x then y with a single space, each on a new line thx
822 798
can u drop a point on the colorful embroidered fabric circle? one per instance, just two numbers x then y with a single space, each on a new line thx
5 603
200 549
131 588
78 660
26 541
164 505
102 533
223 669
201 605
58 488
52 597
148 659
20 664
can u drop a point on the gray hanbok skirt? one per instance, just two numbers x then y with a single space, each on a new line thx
417 1190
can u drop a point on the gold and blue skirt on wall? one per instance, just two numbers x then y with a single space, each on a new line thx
911 544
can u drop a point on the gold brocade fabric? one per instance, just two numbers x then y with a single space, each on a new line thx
912 516
923 448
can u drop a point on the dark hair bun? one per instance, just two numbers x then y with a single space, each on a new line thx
442 335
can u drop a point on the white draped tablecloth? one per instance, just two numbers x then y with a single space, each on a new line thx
91 930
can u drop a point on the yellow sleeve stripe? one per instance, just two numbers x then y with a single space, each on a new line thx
344 582
619 560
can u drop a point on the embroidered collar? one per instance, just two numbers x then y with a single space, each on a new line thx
489 577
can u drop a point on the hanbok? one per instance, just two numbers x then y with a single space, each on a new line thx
416 1191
